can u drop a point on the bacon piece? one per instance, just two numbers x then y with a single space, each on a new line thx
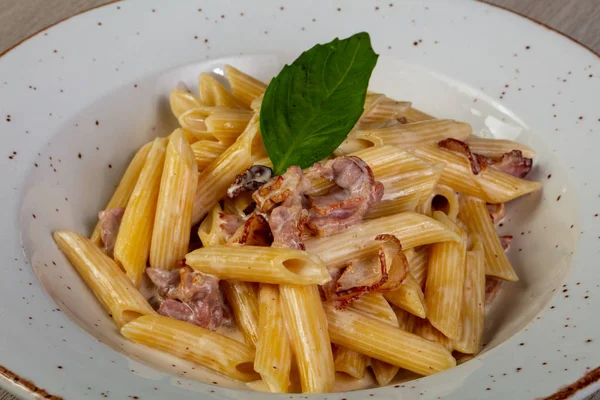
497 212
190 296
254 232
478 163
230 223
276 190
514 163
396 262
287 222
492 288
110 222
253 178
506 241
345 205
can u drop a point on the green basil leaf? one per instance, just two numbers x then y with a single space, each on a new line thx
309 108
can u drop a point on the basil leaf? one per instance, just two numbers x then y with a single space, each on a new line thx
309 108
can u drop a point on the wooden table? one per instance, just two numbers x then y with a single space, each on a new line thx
578 19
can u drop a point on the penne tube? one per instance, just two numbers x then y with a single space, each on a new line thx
490 185
384 109
126 186
408 136
273 351
409 297
350 362
206 151
243 300
222 171
172 225
417 265
226 125
376 306
427 331
472 315
238 204
210 231
307 327
414 115
445 280
495 148
182 101
260 264
193 343
406 321
243 86
108 282
212 93
474 213
193 122
132 247
411 229
382 341
442 198
394 206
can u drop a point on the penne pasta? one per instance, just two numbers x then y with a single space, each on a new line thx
471 320
414 115
237 205
410 228
193 122
206 151
408 136
259 264
442 198
490 185
406 321
243 86
226 125
243 300
427 331
273 351
307 327
210 230
382 341
408 297
132 247
222 171
474 213
171 233
212 93
395 206
495 148
193 343
126 186
182 101
417 265
108 282
383 109
445 280
350 362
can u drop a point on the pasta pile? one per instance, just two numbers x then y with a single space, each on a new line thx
433 203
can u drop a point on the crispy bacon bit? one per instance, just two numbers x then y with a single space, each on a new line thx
254 232
396 262
514 163
278 189
478 163
346 204
110 222
189 296
363 275
253 178
492 288
497 212
506 241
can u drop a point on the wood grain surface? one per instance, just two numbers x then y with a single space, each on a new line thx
579 19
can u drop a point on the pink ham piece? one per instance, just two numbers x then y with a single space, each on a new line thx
345 205
110 222
276 190
514 163
189 296
505 241
287 223
492 288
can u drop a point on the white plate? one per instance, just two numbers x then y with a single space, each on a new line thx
78 98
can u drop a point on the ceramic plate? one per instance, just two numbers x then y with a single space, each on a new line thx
78 98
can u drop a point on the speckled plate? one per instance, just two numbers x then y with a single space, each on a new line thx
78 98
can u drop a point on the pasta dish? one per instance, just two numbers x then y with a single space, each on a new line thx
337 229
